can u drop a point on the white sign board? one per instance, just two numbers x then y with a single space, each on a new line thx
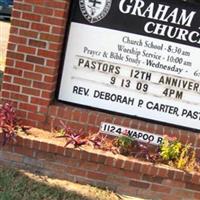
142 136
140 59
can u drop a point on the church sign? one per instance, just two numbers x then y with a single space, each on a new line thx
135 57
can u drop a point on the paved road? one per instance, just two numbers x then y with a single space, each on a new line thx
4 34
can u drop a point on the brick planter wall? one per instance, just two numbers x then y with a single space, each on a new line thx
124 175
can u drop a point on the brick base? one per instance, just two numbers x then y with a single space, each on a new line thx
124 175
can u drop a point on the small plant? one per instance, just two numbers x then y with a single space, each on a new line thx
125 144
96 140
9 123
142 151
184 157
74 137
170 149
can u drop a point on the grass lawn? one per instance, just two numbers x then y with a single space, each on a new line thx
22 185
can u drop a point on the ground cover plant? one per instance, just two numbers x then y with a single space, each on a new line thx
9 123
22 185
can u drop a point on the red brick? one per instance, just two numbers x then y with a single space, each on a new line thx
50 79
20 23
28 33
5 94
88 166
28 107
36 117
187 177
154 179
60 13
45 70
11 46
34 2
43 10
35 59
85 155
179 175
96 176
84 116
60 150
36 144
42 85
193 186
56 4
40 27
92 118
24 151
44 146
13 71
195 179
52 148
119 163
109 161
197 195
173 183
160 188
9 62
16 14
22 6
75 171
27 142
22 81
50 37
132 175
29 122
139 184
184 137
17 39
76 154
24 65
37 43
14 30
162 172
110 170
53 110
128 165
11 87
43 109
20 97
52 63
7 78
17 56
31 91
58 30
136 167
47 95
39 101
21 114
33 76
31 17
48 54
55 47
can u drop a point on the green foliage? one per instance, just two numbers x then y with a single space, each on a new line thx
183 159
170 150
124 141
192 164
178 155
124 145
